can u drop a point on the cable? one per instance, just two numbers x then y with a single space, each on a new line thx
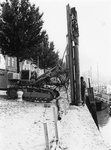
63 55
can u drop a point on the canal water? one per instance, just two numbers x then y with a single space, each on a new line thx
104 120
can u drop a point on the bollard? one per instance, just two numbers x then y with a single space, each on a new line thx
19 93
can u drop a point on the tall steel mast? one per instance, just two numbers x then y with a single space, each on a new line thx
73 55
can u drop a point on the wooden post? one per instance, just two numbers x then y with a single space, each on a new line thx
55 123
46 136
89 82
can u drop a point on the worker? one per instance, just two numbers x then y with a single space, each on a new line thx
33 76
83 88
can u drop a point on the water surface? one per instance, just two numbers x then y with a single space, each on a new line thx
104 120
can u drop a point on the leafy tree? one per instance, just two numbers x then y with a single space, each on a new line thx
47 56
54 56
20 29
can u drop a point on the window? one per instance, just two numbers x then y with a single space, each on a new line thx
8 61
12 62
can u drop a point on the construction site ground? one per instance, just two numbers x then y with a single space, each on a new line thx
22 126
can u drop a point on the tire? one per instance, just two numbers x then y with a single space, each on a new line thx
12 93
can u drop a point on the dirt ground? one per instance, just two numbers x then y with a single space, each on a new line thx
22 126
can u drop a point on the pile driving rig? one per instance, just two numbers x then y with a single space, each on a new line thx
42 89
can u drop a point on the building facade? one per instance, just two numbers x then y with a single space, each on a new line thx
10 64
2 62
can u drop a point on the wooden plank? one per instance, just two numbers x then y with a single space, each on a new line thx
46 136
55 124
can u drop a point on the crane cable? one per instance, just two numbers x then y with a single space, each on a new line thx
63 55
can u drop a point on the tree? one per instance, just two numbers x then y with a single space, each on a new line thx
48 58
54 56
20 29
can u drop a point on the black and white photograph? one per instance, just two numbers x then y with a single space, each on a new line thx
55 75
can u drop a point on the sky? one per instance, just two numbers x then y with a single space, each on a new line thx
94 21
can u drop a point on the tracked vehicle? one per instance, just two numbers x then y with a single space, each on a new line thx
44 88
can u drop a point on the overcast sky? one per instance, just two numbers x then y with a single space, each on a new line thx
94 21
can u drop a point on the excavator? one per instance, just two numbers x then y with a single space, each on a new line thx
44 88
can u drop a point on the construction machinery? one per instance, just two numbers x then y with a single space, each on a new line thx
44 88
